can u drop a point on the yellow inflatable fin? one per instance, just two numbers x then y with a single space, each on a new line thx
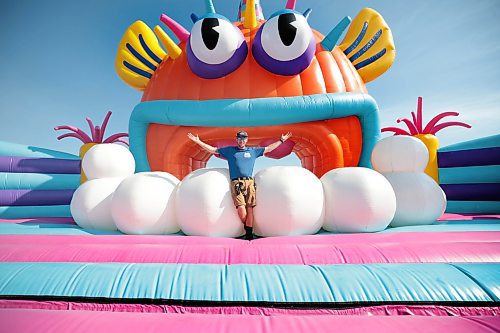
138 56
369 44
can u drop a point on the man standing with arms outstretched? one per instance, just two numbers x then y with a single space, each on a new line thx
241 160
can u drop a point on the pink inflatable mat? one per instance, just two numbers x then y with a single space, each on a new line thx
26 320
409 247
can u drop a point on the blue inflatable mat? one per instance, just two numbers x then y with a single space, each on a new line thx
408 283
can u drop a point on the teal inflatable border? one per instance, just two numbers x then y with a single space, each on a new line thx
486 142
433 282
252 113
473 207
38 181
16 149
21 212
470 175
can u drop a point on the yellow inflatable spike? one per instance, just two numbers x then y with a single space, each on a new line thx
173 50
369 45
250 15
138 56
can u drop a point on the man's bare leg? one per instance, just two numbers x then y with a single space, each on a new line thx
249 224
249 221
242 213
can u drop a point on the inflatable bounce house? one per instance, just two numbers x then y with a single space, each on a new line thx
355 240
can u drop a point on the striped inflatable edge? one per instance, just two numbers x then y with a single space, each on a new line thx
36 182
469 174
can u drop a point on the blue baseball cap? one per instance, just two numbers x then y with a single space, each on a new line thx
241 135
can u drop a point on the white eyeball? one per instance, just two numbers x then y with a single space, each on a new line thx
215 40
286 37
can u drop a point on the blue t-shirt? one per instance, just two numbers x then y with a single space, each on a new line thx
241 161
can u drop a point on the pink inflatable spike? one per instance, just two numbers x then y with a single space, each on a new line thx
176 28
290 4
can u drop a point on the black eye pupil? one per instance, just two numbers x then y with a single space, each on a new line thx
286 30
209 35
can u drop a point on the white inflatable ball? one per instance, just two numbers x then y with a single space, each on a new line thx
290 201
357 200
108 160
400 153
204 206
419 199
144 204
91 204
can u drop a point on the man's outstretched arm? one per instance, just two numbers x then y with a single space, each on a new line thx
275 145
207 147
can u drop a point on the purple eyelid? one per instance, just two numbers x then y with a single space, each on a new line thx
286 68
211 71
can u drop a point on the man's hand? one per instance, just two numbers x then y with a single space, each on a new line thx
194 138
197 140
286 136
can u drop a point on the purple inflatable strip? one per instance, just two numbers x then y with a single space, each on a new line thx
471 157
38 165
35 197
472 192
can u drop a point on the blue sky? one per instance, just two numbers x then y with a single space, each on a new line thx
57 61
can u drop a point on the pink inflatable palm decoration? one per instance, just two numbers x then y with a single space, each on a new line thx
96 132
415 127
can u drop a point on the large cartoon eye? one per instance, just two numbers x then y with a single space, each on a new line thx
285 44
215 48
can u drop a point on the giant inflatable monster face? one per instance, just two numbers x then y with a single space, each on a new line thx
265 77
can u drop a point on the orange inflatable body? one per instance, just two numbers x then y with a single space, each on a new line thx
321 144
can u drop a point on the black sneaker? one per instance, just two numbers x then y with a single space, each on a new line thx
249 233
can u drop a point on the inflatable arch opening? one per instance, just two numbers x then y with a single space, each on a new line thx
318 148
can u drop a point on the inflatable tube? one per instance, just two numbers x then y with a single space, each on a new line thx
15 149
77 321
35 197
473 207
470 175
56 228
487 142
415 247
38 181
41 220
254 112
472 192
20 212
39 165
362 285
472 157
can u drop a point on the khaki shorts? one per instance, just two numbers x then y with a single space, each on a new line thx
243 192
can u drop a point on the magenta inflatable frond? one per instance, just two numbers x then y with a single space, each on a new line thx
415 125
411 126
396 130
290 4
418 123
178 30
115 138
78 133
437 118
414 117
439 127
96 132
